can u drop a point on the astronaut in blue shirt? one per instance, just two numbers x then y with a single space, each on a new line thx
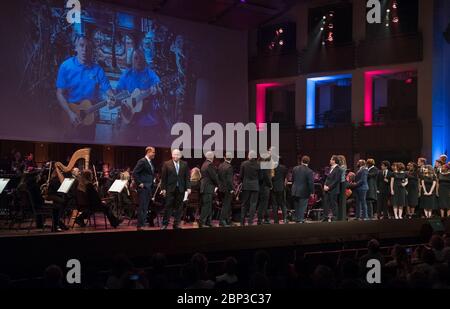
139 76
79 78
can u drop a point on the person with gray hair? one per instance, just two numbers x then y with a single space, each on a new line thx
250 176
208 186
226 189
174 184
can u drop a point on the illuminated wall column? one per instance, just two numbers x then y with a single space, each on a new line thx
300 101
358 96
261 90
368 89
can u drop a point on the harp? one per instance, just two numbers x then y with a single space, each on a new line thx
82 154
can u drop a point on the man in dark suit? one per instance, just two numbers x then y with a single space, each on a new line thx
144 175
250 175
384 189
372 180
226 189
265 185
302 187
278 191
360 188
331 190
208 186
174 184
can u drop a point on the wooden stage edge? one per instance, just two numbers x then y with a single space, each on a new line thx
104 244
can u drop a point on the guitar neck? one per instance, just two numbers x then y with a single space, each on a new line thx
120 96
97 107
143 95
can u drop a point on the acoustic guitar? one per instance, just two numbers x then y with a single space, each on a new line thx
86 110
134 104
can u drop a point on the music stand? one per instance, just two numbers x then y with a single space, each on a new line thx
66 185
3 184
118 186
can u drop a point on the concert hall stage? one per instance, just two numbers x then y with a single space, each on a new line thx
35 251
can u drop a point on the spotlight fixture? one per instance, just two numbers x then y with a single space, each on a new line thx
281 42
330 37
321 29
280 30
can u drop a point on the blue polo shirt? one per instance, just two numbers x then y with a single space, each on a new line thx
82 82
142 80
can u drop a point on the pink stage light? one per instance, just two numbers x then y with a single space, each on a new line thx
368 91
261 90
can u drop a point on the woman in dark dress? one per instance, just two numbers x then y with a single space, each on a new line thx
444 190
399 181
194 197
428 196
412 189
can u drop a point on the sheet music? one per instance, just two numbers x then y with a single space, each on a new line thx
186 196
66 185
118 186
3 183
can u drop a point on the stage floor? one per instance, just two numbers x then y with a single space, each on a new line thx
22 251
126 226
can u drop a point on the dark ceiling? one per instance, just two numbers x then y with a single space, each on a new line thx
234 14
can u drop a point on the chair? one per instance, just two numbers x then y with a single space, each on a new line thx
83 201
315 207
28 210
193 204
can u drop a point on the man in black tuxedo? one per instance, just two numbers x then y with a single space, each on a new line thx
302 187
372 181
265 185
250 176
174 184
226 189
144 174
208 186
331 190
384 189
278 191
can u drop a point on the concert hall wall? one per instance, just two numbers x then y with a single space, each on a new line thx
187 68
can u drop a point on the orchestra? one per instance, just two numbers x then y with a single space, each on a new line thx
214 192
